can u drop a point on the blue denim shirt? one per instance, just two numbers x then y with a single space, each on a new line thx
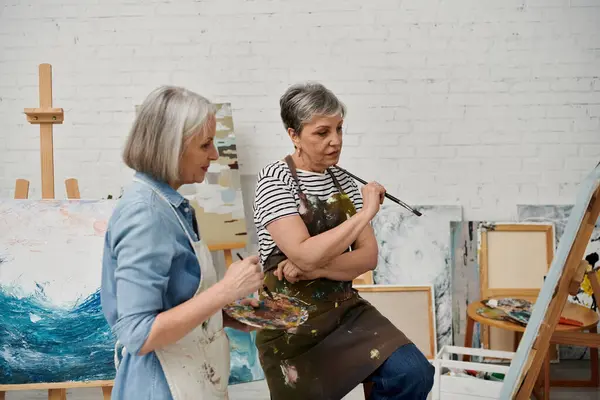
148 266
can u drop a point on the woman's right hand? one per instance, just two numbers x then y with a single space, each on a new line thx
243 277
373 195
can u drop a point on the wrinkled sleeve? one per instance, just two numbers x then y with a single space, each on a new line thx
144 253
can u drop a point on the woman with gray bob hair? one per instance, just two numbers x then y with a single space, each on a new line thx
315 238
159 292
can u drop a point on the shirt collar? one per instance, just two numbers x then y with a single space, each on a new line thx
172 195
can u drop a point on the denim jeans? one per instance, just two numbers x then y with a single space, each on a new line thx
405 375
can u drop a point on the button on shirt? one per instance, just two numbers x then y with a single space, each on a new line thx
148 266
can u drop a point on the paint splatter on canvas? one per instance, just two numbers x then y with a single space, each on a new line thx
559 215
218 200
52 328
416 251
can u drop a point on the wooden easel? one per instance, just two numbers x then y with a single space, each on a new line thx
46 116
570 278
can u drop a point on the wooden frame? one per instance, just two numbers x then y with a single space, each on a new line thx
487 292
430 353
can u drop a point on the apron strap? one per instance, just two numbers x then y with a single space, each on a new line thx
292 166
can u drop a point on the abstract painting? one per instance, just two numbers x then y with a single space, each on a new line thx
416 251
52 328
466 288
218 200
559 215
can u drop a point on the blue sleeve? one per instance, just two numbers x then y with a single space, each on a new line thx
144 253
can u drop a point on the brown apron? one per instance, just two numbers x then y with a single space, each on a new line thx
344 340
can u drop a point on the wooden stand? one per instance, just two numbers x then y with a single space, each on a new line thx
568 279
46 116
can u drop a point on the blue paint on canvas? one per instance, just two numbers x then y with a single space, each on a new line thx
42 343
52 328
245 365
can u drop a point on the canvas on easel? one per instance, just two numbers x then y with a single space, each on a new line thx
564 277
553 296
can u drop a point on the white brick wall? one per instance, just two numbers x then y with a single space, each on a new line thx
484 103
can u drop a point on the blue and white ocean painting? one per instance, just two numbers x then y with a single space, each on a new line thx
52 328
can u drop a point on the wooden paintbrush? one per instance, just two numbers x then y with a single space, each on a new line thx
265 288
389 196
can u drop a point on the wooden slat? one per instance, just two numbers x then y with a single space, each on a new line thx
57 394
578 278
46 143
72 187
21 189
56 385
228 257
226 246
45 88
106 392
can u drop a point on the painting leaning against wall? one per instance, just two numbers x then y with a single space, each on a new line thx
218 200
52 328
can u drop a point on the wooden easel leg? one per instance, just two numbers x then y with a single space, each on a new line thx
546 372
57 394
228 257
2 395
21 189
595 379
72 187
106 392
540 347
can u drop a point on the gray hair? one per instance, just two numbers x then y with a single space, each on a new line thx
167 118
303 101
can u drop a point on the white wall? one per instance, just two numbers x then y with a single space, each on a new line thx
483 103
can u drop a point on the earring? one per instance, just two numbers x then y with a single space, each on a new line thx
299 151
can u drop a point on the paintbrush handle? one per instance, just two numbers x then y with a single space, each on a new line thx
389 196
265 288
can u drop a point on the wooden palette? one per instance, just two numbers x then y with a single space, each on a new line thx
283 312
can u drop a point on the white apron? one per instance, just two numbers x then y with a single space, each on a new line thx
198 365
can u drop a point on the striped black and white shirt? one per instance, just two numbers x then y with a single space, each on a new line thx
276 196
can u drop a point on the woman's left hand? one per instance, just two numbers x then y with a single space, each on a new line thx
235 324
290 271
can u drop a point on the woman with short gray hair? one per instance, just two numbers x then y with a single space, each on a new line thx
160 293
308 215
